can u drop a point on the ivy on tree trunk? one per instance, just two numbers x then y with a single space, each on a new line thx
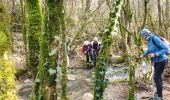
34 29
108 33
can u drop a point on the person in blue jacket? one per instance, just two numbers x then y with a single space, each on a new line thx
157 53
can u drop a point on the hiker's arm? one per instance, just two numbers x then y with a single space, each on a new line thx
164 48
148 51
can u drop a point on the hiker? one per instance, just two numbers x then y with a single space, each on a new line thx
95 49
157 53
86 50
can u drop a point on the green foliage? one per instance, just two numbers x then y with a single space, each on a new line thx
5 36
4 20
7 71
20 71
7 82
3 42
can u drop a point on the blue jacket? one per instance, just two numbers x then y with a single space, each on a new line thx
159 52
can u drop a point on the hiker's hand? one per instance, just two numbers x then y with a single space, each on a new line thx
151 55
138 58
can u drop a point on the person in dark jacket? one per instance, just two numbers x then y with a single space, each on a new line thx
95 49
87 51
158 58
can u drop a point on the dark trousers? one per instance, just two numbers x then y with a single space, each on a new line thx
88 55
158 71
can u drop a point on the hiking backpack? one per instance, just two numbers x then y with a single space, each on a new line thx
166 42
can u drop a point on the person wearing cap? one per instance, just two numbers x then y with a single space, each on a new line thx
158 58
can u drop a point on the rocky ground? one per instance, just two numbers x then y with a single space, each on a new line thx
80 80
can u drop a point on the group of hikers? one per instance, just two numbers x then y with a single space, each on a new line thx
90 51
157 51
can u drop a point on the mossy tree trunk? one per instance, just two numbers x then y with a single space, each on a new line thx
104 53
34 29
53 30
64 53
33 33
145 13
167 14
44 60
7 70
131 95
159 14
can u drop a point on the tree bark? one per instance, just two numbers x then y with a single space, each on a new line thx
102 60
34 29
64 53
159 15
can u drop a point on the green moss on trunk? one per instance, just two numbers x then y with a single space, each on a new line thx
108 33
131 95
7 71
34 30
64 53
33 33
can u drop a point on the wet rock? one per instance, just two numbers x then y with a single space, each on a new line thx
71 77
87 96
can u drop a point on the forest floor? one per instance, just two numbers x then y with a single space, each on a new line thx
80 79
80 82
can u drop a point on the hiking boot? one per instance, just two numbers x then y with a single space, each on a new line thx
154 97
159 98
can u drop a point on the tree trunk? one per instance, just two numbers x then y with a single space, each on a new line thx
88 2
23 18
33 32
7 70
159 15
145 13
167 16
44 59
107 38
34 29
53 30
64 53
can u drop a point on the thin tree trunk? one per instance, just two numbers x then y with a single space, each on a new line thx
107 39
145 13
88 2
159 15
23 18
167 16
64 53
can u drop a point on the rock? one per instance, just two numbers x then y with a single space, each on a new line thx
27 81
87 96
71 77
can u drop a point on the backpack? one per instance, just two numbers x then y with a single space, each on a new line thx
166 42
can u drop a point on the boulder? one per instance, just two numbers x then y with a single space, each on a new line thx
87 96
